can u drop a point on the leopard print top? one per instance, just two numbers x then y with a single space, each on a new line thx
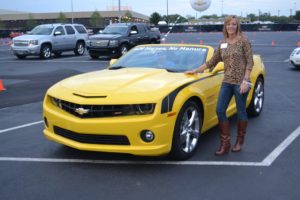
237 57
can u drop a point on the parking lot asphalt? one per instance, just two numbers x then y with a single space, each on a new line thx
31 167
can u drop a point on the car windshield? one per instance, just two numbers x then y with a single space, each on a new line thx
42 30
171 58
115 30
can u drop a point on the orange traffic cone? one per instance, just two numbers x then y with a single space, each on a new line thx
298 44
273 43
201 42
1 86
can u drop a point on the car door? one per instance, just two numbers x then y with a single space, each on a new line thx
59 42
145 39
135 36
210 86
70 37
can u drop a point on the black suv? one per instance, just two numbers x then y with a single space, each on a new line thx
116 39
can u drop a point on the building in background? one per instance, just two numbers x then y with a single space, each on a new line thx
24 20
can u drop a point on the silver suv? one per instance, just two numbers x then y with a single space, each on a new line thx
46 39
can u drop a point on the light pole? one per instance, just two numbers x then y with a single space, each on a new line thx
222 8
167 12
72 11
119 11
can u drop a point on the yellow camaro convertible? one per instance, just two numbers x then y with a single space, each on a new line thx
143 103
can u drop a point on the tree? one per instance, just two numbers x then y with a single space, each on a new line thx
252 17
127 16
155 18
62 18
96 19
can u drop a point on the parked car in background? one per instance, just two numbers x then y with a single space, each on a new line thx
46 39
116 39
295 57
15 34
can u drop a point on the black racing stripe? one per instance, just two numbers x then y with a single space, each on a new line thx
168 101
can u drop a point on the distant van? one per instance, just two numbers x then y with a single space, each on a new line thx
162 23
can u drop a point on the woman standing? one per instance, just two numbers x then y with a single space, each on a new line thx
236 53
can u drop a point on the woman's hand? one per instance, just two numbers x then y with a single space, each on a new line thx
192 72
245 87
198 70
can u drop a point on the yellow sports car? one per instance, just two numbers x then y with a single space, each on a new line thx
143 103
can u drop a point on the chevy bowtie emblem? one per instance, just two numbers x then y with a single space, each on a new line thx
82 111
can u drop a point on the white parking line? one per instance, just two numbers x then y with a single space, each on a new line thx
21 126
265 163
279 149
127 162
274 61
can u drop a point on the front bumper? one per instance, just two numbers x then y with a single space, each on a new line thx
126 126
26 50
112 52
295 60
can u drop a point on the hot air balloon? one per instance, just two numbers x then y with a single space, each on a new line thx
200 5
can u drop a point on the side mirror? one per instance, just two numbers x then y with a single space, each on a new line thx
218 68
112 61
133 32
57 33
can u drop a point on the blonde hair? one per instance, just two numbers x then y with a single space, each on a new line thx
227 20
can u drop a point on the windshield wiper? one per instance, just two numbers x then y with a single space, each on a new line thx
116 67
171 70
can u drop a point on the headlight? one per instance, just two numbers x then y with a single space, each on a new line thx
113 43
135 109
88 42
33 42
56 102
142 109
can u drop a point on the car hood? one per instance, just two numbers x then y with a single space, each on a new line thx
105 36
30 37
138 84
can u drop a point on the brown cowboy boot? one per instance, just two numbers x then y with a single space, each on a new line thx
225 138
242 125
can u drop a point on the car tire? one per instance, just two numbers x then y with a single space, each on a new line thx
257 100
80 49
123 49
187 131
21 56
94 56
57 54
46 51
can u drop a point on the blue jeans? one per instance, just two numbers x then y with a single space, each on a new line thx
226 92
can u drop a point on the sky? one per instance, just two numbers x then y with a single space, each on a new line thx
147 7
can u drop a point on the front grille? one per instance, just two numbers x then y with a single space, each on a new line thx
99 43
92 138
21 43
95 111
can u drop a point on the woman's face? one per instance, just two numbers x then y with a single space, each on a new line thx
231 27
